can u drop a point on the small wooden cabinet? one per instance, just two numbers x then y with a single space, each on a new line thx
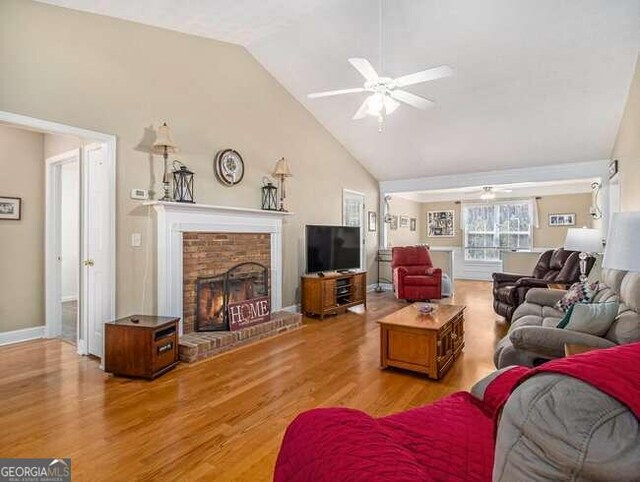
141 346
333 293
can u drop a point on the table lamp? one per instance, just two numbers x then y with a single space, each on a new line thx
622 245
282 171
584 240
164 145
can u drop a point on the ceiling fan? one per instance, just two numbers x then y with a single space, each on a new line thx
489 192
386 93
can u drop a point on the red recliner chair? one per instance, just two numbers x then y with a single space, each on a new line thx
414 277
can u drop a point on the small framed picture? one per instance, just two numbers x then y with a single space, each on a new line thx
563 219
412 224
393 225
10 208
372 221
404 221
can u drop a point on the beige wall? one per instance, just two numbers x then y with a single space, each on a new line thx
456 240
543 237
553 236
22 242
214 95
627 148
404 236
56 144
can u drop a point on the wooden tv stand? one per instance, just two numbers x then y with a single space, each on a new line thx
333 293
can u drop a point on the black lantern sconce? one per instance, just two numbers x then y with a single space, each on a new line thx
182 183
269 195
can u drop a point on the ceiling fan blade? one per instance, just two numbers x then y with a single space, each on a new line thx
362 111
365 68
411 99
390 105
329 93
424 76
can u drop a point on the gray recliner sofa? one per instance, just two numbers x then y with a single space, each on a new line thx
534 338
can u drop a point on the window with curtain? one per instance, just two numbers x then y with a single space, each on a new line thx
492 228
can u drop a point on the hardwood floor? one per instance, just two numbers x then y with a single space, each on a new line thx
222 418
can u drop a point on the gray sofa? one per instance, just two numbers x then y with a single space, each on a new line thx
533 336
544 434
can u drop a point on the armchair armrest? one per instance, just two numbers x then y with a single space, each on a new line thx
549 342
543 296
506 277
532 283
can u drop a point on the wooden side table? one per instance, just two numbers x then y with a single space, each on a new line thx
576 349
141 346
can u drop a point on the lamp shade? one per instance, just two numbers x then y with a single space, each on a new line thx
585 240
164 140
622 246
282 168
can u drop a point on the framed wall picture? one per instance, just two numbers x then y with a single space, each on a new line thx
10 208
393 225
412 224
404 221
440 224
562 219
372 221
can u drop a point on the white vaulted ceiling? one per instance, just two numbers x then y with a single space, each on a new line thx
537 82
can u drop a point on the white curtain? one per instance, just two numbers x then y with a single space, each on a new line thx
533 212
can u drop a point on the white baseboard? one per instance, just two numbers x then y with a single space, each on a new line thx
66 299
16 336
291 308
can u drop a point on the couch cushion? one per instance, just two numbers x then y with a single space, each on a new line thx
420 280
591 318
612 278
630 291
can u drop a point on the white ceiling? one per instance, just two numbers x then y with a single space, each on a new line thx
537 82
516 190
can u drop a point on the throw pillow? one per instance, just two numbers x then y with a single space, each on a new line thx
596 271
580 292
592 318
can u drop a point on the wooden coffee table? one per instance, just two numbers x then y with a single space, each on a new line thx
423 343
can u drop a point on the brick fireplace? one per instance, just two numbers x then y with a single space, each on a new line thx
198 242
211 263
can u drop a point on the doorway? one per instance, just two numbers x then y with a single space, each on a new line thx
62 239
353 208
89 256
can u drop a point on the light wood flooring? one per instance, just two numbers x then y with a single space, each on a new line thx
223 418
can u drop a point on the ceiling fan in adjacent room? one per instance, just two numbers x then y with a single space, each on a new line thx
386 92
489 192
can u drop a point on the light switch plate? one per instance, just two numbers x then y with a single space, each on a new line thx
136 240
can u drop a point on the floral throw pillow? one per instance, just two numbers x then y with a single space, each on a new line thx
580 292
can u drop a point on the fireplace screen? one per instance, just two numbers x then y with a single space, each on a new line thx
233 300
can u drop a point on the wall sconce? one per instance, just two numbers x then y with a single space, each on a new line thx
595 210
164 145
282 171
182 183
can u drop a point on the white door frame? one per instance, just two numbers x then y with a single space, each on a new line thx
363 228
110 230
53 296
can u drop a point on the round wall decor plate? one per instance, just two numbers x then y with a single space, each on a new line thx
229 167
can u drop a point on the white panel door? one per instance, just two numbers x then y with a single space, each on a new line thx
353 215
97 250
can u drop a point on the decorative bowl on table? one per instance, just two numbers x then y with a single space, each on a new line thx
425 308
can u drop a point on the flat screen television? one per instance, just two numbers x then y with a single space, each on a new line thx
332 248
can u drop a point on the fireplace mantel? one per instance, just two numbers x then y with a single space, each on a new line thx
174 219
